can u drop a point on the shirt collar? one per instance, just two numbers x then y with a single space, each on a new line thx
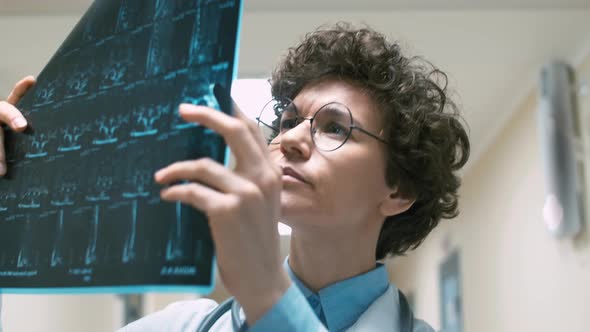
343 302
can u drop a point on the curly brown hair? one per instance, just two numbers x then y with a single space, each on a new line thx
428 141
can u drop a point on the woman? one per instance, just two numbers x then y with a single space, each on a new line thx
361 164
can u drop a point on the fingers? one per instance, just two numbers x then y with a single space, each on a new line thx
251 125
205 171
224 98
2 154
236 132
20 89
197 195
11 116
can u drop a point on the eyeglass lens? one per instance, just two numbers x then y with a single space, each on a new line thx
330 126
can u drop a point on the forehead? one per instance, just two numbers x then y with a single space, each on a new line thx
361 104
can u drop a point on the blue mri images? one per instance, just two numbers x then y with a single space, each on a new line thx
79 206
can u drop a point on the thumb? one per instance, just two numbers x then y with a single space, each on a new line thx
20 89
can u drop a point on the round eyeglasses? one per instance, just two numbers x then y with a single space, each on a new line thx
330 127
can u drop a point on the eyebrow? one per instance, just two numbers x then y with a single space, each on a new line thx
355 122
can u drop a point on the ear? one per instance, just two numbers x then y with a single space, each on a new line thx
394 203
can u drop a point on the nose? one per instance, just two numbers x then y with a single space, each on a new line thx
296 143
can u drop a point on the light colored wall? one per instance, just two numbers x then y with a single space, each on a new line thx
516 275
89 313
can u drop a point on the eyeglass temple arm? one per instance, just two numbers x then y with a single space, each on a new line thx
265 124
370 134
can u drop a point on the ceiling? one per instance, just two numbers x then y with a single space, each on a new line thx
492 56
11 7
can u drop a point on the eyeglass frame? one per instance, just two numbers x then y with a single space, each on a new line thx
352 126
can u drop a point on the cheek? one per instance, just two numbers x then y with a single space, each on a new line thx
351 189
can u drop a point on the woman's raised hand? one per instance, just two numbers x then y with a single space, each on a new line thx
11 116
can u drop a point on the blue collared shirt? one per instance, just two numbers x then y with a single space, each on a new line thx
337 306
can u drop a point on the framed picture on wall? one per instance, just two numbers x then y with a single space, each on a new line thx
451 303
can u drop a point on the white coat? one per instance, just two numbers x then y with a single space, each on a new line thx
186 316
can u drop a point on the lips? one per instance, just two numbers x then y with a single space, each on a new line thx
291 172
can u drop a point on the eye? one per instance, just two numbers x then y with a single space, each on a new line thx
334 128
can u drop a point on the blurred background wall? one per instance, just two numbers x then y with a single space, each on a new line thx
515 275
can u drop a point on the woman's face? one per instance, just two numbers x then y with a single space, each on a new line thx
342 187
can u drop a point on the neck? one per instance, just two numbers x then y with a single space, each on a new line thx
320 258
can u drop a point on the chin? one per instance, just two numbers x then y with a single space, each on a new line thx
295 207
